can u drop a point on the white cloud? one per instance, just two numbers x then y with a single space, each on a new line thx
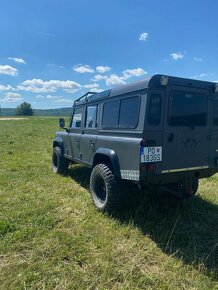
177 55
6 88
40 86
64 100
91 86
17 60
143 36
115 80
46 34
40 97
98 78
202 75
197 59
53 65
133 72
71 91
12 97
50 97
8 70
102 69
83 69
96 90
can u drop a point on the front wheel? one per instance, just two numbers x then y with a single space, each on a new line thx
59 163
105 189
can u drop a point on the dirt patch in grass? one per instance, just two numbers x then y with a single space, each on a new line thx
9 119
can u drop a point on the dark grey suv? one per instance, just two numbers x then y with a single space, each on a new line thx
160 132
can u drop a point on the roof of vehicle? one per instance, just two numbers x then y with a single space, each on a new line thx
155 81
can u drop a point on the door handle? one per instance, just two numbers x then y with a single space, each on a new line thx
92 144
77 141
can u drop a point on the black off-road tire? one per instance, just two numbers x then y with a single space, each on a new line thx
180 193
59 163
106 191
195 184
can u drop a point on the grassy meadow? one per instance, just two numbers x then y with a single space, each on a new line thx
52 237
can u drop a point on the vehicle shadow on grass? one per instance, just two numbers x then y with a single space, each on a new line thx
187 230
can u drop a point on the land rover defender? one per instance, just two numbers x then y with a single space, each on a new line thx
160 132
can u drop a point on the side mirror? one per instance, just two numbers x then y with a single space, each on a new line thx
62 123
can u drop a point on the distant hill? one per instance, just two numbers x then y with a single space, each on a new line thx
53 112
39 112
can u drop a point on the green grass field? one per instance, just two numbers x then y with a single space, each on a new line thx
52 237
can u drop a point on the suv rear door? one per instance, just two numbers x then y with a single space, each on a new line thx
186 134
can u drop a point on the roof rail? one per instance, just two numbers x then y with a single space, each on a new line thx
85 96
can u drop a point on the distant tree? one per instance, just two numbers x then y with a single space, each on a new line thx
24 109
0 110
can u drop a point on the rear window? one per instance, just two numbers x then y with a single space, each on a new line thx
129 112
121 113
215 112
111 114
187 109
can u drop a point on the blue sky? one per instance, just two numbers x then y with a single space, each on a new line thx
52 51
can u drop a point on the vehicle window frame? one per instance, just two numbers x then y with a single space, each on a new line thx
96 117
187 92
160 110
213 117
79 108
137 113
103 110
119 100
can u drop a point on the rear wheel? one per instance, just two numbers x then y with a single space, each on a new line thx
105 189
194 188
181 191
59 163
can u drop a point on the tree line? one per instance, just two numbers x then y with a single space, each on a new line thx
25 109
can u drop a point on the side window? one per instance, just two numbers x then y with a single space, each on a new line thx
154 110
129 112
77 118
110 114
91 117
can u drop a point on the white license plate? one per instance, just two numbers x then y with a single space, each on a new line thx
151 154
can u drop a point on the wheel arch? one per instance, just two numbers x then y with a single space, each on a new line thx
58 142
107 156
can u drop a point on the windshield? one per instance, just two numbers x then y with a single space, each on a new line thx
187 109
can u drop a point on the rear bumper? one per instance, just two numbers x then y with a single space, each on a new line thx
175 175
185 169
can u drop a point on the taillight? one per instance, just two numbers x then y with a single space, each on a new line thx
148 167
151 168
143 167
